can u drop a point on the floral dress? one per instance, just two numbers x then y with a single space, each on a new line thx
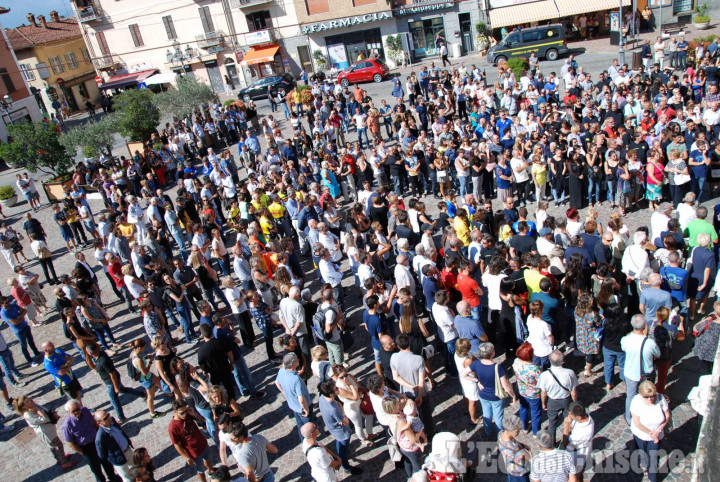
527 375
513 453
585 333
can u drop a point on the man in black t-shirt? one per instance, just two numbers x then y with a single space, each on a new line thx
101 362
215 357
388 349
522 243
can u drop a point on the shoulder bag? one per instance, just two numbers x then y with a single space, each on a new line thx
499 389
392 445
643 374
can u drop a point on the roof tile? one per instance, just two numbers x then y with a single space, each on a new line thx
27 36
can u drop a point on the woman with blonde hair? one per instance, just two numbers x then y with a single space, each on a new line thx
147 379
468 380
414 328
406 438
79 335
221 403
163 356
43 422
650 415
208 279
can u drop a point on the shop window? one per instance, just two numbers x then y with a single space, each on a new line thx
259 21
357 3
424 34
27 72
315 7
135 34
7 81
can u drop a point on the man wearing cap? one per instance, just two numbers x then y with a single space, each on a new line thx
291 385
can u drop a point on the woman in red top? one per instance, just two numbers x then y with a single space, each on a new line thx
654 173
23 300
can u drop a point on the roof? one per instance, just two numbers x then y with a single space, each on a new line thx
27 36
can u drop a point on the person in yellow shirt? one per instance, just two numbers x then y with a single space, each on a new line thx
267 225
538 170
533 276
126 228
462 227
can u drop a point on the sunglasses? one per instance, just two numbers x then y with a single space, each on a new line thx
648 397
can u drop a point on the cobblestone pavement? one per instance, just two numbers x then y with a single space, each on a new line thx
25 458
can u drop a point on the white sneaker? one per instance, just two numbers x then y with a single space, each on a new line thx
34 364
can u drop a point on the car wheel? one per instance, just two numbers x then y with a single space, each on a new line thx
377 78
344 82
246 98
500 58
551 54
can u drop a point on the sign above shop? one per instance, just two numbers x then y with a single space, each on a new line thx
344 22
259 37
422 7
508 3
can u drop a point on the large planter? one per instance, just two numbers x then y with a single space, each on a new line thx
701 26
10 202
55 191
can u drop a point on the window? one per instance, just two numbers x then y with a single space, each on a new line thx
135 34
259 21
27 72
71 60
317 6
104 49
357 3
7 80
206 19
169 27
535 36
56 65
86 55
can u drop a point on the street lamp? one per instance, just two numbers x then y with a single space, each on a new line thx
6 105
178 56
621 52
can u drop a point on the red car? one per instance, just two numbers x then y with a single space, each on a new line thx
364 71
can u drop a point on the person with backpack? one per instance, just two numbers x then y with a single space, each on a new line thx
101 362
323 462
329 322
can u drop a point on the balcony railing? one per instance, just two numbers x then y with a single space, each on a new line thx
88 13
105 62
210 39
247 3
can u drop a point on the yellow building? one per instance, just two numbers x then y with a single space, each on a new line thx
54 61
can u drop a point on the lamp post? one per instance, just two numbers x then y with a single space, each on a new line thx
6 105
178 55
621 52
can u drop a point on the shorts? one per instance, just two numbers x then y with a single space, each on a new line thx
28 196
89 225
147 384
66 233
441 178
654 192
199 465
376 355
31 311
36 196
72 389
693 292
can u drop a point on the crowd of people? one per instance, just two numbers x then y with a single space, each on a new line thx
485 289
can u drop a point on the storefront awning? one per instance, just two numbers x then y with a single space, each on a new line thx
261 55
125 80
568 8
524 13
161 79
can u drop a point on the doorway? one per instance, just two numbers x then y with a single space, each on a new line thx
233 74
466 33
213 71
304 55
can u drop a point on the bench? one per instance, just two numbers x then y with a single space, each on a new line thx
676 27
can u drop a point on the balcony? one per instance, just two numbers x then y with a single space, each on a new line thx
88 13
210 39
247 3
269 35
105 62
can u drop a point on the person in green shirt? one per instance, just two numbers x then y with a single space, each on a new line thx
699 225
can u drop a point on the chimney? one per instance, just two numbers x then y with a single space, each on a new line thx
41 18
31 19
54 16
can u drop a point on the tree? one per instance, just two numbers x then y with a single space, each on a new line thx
189 95
95 137
137 114
395 48
36 147
320 59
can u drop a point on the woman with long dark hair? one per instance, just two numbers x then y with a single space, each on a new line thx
615 326
572 286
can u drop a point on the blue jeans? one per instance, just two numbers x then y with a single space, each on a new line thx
300 420
224 263
593 186
101 336
533 407
631 389
493 410
209 423
697 187
362 131
609 358
555 196
115 398
450 357
170 314
518 478
648 457
464 182
612 191
25 337
475 313
8 365
179 238
243 378
286 110
183 312
343 447
542 361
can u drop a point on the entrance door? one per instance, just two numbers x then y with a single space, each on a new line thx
216 80
232 73
304 55
466 32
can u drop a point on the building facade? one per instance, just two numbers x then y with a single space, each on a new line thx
54 61
23 106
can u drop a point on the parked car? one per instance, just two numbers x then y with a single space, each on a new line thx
547 41
279 84
364 71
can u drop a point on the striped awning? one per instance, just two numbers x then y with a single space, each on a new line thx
524 13
568 8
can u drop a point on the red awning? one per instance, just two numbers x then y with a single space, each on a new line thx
124 80
261 55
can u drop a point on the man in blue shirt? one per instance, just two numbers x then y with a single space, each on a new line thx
468 327
373 323
57 363
675 279
225 332
288 381
14 316
653 298
252 142
550 303
503 123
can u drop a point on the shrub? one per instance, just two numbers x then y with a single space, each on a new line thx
228 103
702 19
518 65
6 192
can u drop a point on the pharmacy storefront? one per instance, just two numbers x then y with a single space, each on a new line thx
352 38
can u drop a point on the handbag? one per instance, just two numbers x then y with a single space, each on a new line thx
643 374
365 404
499 389
704 328
393 448
681 179
44 253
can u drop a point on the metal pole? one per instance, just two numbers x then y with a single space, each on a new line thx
621 52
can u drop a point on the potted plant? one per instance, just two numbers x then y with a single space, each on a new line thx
395 50
482 31
320 59
8 196
702 19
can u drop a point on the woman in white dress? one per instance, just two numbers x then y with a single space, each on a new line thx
351 395
468 380
578 433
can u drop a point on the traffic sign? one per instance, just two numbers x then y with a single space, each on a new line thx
98 80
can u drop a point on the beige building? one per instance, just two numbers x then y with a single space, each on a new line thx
133 42
54 60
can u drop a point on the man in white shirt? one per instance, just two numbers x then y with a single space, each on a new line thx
292 317
330 242
323 463
686 210
640 351
445 321
635 258
659 220
331 273
403 276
